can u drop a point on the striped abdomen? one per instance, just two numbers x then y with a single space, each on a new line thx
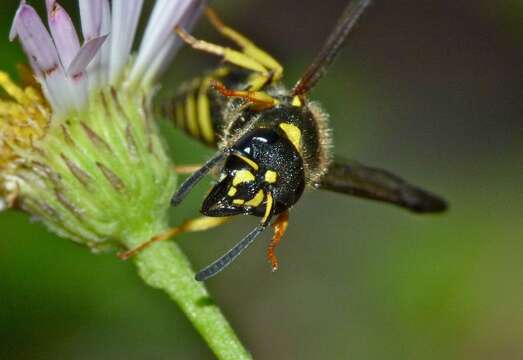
197 108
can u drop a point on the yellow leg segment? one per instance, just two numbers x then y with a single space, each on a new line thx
248 47
230 55
186 169
197 224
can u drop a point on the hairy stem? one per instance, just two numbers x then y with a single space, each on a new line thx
164 266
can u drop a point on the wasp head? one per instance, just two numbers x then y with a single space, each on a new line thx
260 163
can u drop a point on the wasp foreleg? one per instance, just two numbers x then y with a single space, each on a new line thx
197 224
279 226
186 169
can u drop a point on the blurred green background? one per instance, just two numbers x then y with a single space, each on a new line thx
431 90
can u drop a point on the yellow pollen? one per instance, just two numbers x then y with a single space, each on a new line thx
24 118
293 133
242 176
271 176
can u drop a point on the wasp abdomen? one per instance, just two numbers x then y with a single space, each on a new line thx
197 108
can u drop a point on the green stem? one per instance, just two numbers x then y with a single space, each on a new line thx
164 266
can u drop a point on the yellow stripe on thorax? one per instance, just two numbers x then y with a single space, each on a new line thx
248 161
293 133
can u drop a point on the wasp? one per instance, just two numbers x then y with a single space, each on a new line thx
272 143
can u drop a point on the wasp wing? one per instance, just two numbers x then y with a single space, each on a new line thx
353 178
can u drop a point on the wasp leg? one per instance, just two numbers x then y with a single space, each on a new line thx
197 224
259 99
187 169
279 226
231 56
248 47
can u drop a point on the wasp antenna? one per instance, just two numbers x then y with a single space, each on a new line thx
345 24
243 244
192 180
230 255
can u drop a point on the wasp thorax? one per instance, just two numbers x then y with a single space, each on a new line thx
263 161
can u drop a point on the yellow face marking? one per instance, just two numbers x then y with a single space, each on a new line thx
190 112
293 133
238 201
242 176
204 112
268 207
248 161
232 191
296 101
271 176
257 199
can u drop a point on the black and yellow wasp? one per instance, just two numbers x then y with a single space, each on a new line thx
272 143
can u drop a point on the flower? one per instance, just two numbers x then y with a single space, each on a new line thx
79 148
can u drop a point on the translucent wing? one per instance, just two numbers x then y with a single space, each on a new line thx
353 178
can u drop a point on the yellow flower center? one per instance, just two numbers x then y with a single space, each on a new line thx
24 118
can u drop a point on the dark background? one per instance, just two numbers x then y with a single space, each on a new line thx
429 89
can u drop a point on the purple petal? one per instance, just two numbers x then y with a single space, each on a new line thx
63 31
84 56
12 31
36 41
49 5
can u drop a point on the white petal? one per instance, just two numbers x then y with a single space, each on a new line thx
91 18
125 17
97 22
166 15
172 44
